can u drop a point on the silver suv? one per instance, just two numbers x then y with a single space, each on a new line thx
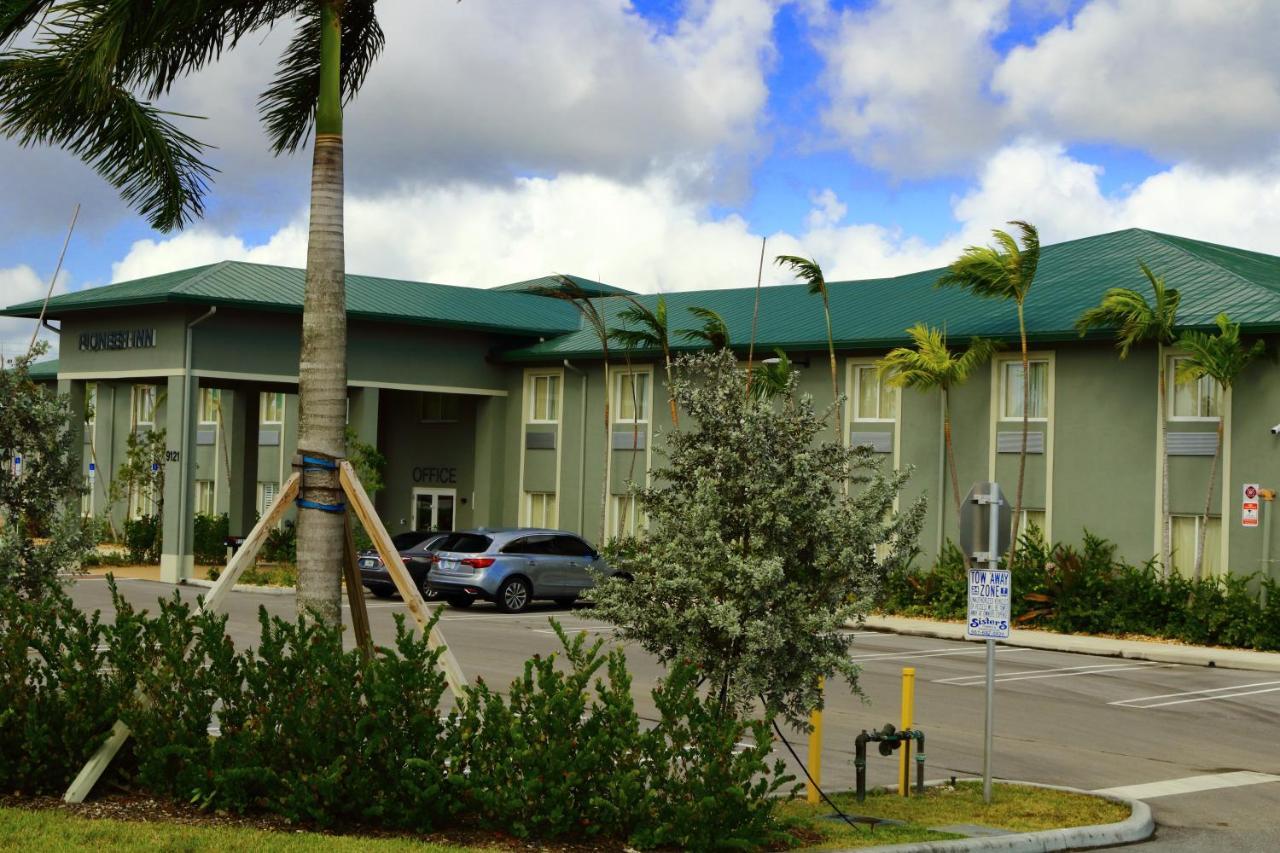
512 567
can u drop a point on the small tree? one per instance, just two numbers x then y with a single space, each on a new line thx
756 557
1222 358
647 330
40 482
142 474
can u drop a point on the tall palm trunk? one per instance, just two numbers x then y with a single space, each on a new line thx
951 461
1208 505
1022 455
1166 544
835 382
671 399
608 450
322 368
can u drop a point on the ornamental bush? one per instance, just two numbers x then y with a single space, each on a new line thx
765 537
1088 590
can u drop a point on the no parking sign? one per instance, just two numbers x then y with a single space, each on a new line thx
1249 505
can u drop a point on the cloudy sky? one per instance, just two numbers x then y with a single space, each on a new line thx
652 143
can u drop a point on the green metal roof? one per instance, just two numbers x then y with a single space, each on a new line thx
42 370
1072 277
589 286
272 288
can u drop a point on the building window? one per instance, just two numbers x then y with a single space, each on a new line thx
631 397
1012 396
210 405
1199 400
873 400
628 520
1032 518
204 497
142 502
1186 534
541 509
544 398
437 408
266 496
144 406
271 407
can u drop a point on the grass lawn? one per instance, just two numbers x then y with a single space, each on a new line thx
1014 807
23 829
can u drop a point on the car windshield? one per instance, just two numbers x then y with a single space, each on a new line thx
405 541
466 543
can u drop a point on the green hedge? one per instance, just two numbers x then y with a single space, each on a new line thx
211 539
1087 590
322 736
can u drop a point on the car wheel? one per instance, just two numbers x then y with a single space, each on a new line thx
429 593
382 591
514 595
462 602
565 602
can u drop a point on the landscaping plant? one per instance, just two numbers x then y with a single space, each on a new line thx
756 555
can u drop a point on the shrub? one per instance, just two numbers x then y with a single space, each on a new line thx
210 544
1089 590
142 538
281 545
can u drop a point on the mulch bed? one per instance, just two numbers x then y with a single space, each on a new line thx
126 805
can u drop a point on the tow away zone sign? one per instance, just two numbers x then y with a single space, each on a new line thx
989 593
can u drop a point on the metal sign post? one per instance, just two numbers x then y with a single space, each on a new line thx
985 532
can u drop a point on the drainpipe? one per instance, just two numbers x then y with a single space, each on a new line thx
1268 496
186 427
582 462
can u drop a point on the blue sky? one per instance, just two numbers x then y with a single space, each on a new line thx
653 144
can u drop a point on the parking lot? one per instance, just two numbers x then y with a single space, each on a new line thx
1199 744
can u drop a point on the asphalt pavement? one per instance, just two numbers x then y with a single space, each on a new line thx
1199 744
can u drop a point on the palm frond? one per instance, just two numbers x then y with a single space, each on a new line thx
156 167
1134 318
771 380
714 331
288 106
645 329
1003 271
17 15
807 270
930 363
1222 357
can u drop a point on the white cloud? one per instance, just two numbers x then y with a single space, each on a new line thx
906 82
1184 80
651 237
22 284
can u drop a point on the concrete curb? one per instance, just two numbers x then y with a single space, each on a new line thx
244 587
1147 650
1139 826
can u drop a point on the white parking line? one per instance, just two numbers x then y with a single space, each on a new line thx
591 629
1189 785
931 653
1057 672
1197 695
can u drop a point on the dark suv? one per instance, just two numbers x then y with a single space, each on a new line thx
415 549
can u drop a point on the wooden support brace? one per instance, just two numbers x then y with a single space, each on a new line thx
355 591
400 575
241 560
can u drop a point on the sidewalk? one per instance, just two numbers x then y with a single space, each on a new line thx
1150 650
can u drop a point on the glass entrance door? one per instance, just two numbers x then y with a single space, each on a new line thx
433 509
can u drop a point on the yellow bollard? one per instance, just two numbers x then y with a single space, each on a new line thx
908 711
815 750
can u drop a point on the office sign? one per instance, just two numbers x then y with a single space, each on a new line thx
989 604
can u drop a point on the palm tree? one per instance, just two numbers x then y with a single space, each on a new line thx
714 332
1137 321
931 364
1222 358
1004 271
564 287
647 330
808 271
772 377
88 84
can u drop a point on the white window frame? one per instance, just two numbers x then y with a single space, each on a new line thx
209 489
646 404
141 503
634 523
1171 392
264 409
1002 369
134 401
531 385
264 506
1211 568
856 401
210 399
550 499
